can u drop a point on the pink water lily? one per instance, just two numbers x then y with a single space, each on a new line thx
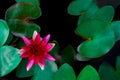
36 50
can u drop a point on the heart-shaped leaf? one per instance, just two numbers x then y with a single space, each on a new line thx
23 11
105 14
19 27
107 72
65 72
36 2
77 7
46 74
38 74
4 32
9 59
96 32
91 28
116 28
68 55
88 73
89 13
93 48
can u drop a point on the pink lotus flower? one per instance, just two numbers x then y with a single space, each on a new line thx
36 50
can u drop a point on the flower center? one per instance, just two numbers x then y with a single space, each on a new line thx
37 49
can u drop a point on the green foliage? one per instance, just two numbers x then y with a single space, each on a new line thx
36 2
77 7
4 32
107 72
19 18
88 73
80 57
9 59
105 14
68 55
56 48
88 14
91 28
97 32
96 26
23 11
36 72
47 74
116 28
65 72
20 27
117 72
91 74
21 70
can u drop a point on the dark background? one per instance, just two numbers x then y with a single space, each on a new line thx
56 21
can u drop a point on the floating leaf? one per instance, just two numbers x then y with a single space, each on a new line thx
9 59
65 72
118 68
23 11
88 73
9 39
105 14
4 32
107 72
38 74
68 55
77 7
46 74
96 32
20 27
56 48
116 28
36 2
91 28
98 46
21 70
88 14
80 57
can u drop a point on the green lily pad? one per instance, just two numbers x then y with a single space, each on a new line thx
107 72
68 55
36 73
36 2
56 48
98 46
96 32
80 57
23 11
77 7
21 71
116 28
88 14
19 27
9 59
47 74
88 73
9 39
117 72
91 28
4 32
105 14
65 72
